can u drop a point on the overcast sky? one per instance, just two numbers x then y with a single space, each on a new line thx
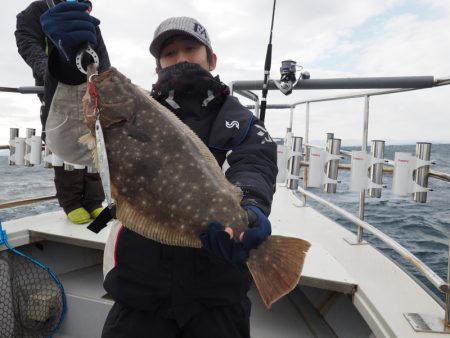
346 38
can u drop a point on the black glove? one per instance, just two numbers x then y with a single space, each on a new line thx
218 242
260 228
69 27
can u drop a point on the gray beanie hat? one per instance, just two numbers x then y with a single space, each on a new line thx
178 26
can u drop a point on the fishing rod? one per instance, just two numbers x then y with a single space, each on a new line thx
267 66
23 90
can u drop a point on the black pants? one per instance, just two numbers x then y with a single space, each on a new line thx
78 189
218 322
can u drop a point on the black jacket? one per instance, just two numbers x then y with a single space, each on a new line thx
180 282
33 46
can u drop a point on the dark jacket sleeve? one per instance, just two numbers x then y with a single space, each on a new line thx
253 167
30 39
68 73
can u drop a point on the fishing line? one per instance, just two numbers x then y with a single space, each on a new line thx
267 66
59 125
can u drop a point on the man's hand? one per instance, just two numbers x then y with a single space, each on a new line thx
220 241
260 228
68 25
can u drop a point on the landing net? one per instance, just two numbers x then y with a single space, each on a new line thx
32 300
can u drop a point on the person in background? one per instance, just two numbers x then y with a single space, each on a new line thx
163 291
79 193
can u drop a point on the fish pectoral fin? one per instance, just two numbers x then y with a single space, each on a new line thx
276 266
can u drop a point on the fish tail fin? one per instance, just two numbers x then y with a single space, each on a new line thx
276 266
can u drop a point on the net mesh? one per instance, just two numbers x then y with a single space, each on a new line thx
32 301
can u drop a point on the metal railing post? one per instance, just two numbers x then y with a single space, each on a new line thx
376 171
362 194
447 294
30 132
305 168
13 133
294 163
423 151
333 147
291 118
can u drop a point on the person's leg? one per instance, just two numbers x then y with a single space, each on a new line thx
69 192
221 322
123 322
69 188
93 194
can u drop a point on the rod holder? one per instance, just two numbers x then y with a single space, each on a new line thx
19 154
283 151
30 132
294 163
68 167
73 166
376 170
34 156
420 175
359 179
330 136
402 182
48 157
334 148
91 170
13 133
318 160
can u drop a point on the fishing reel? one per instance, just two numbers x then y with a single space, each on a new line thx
288 78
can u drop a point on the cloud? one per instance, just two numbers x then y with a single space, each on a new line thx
329 38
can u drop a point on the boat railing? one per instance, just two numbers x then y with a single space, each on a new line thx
384 86
394 85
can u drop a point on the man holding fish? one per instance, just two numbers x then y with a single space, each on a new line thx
173 276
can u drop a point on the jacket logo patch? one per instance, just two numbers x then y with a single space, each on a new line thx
209 98
171 101
263 134
232 124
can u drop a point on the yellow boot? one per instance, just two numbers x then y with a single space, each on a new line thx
79 216
96 212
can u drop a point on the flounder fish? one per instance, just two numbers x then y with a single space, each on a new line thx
168 186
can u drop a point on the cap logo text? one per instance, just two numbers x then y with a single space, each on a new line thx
200 30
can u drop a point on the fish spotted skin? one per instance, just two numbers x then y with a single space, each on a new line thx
166 183
168 186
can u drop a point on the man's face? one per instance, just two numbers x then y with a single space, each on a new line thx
185 49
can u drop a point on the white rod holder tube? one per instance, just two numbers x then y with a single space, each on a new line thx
294 163
13 133
30 132
376 170
334 146
420 175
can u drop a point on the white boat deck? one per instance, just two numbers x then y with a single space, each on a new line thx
378 288
384 291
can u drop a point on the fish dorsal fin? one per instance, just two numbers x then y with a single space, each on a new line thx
89 141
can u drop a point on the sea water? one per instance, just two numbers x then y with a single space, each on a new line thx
423 228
